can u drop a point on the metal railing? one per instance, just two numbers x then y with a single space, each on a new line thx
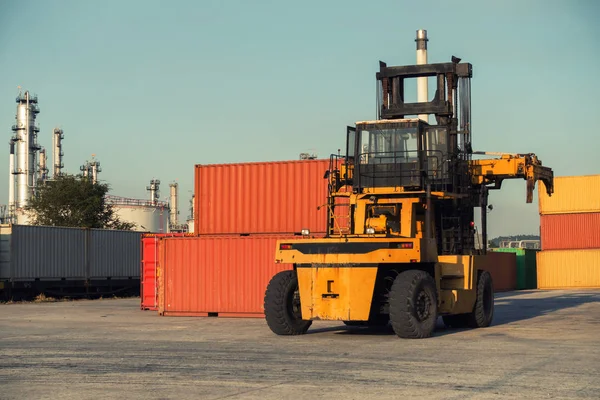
401 168
134 202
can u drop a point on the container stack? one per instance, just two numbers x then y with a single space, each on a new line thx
570 234
148 276
526 269
240 212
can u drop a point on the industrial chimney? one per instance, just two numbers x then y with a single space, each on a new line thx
173 197
11 180
422 89
154 190
26 148
57 152
91 169
43 166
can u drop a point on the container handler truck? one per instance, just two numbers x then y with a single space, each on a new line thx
401 245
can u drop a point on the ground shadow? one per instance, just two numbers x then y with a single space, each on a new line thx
353 330
512 306
509 307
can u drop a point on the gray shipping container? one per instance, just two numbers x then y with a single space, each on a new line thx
114 254
47 253
5 231
55 253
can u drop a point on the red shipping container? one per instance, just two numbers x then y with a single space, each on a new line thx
227 275
570 231
266 197
148 280
503 268
222 276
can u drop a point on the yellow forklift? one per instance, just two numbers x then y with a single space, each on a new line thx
401 246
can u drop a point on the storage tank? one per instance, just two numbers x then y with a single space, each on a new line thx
147 216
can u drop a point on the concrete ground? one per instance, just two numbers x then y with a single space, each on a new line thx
543 344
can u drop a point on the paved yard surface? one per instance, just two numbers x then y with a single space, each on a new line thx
543 344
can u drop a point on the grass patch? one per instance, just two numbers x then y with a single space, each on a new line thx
42 298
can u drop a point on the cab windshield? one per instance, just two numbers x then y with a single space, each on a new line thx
399 153
381 144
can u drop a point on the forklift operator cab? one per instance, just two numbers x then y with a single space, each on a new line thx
397 153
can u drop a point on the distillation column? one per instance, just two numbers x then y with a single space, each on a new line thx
173 197
154 190
25 151
57 152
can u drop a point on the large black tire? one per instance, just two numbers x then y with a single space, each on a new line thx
483 312
282 305
413 305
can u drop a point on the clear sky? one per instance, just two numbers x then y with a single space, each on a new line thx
154 87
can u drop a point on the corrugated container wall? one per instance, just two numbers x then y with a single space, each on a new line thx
55 253
5 231
572 194
570 231
526 266
40 252
148 280
558 269
114 254
503 268
216 275
267 197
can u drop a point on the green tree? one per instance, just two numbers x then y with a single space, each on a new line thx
74 201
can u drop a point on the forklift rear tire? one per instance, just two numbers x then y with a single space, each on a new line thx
282 305
483 312
413 305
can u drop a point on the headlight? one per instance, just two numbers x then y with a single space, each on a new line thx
370 231
305 232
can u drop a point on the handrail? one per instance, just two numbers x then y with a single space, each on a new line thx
118 200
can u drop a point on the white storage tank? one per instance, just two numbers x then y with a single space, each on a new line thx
147 216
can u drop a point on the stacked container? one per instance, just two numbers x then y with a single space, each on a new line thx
148 276
526 269
570 234
240 211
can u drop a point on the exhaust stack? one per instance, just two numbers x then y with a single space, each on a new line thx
173 194
43 168
422 90
57 152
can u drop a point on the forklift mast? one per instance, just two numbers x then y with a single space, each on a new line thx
396 156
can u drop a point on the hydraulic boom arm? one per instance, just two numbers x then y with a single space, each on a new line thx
493 171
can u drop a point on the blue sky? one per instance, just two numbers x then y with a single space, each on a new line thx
154 87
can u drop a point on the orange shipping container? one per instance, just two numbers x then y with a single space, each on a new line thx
503 268
572 194
216 275
559 269
266 197
148 280
570 231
